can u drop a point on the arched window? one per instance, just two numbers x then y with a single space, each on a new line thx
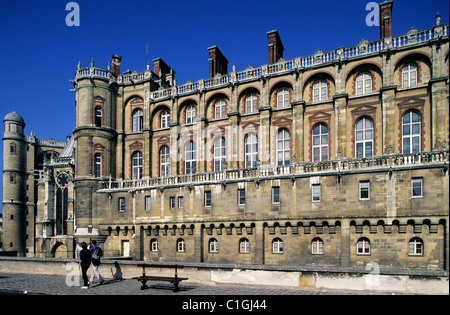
277 246
219 154
190 114
97 165
154 245
415 247
251 103
363 246
411 132
251 150
244 246
283 98
409 75
213 246
364 138
165 118
181 245
320 143
363 83
98 116
317 246
164 161
283 147
219 109
137 163
138 119
320 91
190 158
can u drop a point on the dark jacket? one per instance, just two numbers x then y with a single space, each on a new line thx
85 256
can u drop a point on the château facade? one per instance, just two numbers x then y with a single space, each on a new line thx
336 159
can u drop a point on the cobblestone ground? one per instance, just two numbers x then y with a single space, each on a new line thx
20 284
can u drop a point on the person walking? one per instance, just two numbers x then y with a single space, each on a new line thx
96 253
84 263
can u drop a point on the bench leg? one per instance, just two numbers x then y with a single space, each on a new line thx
144 284
175 283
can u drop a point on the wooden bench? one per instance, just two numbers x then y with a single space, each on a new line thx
174 280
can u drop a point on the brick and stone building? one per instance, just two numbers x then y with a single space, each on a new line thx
339 158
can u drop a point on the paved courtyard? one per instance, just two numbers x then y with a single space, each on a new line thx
61 285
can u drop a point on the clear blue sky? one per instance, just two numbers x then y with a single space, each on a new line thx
39 53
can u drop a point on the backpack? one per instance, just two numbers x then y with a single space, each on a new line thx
97 253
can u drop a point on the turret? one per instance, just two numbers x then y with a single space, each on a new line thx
14 187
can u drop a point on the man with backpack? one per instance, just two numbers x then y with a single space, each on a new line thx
96 253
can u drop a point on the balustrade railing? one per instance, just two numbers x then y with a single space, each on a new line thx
307 168
364 47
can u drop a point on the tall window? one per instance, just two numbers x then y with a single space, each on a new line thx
137 163
165 118
219 109
417 187
283 147
241 197
411 132
190 114
219 154
283 98
98 116
409 75
320 143
363 83
320 91
138 118
164 161
251 150
190 158
364 138
97 165
251 103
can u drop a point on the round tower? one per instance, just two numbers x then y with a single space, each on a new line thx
95 136
14 183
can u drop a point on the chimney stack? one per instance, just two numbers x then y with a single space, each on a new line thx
115 64
218 64
165 73
385 19
275 47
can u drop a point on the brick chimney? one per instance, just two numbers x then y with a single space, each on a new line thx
275 47
161 69
115 64
218 64
385 19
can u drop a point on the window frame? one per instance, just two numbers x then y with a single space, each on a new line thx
190 164
98 169
251 103
315 193
121 204
220 154
164 161
361 184
417 180
277 246
321 144
220 108
317 246
321 87
417 248
165 118
181 245
241 197
364 141
283 140
251 157
411 125
207 197
364 79
283 97
148 203
409 75
191 113
138 120
213 245
244 246
137 165
276 198
363 247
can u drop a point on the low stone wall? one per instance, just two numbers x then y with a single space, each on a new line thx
391 280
